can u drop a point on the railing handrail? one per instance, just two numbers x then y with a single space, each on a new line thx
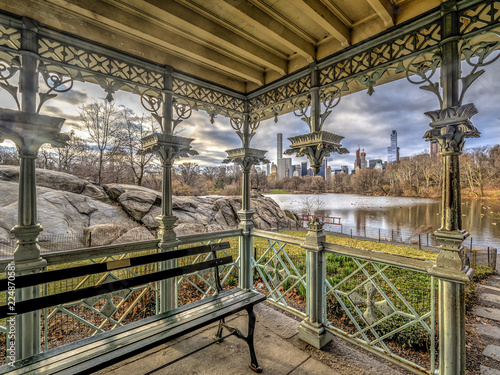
67 256
402 261
293 240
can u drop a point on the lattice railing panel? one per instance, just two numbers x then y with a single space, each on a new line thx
10 37
386 308
201 284
73 321
282 270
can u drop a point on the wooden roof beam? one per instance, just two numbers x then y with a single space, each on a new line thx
318 12
270 27
385 11
117 20
206 29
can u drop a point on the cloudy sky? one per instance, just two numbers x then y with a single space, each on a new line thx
363 120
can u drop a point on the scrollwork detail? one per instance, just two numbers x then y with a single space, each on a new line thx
57 79
7 71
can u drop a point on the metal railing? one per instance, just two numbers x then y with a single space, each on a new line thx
370 299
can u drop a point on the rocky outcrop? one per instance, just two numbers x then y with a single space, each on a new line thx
115 213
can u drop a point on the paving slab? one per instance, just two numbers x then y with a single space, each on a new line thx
492 351
274 354
485 370
277 322
490 288
489 298
313 366
487 312
487 330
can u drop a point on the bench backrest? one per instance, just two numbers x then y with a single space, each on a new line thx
72 272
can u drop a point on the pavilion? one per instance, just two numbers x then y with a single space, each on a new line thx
251 60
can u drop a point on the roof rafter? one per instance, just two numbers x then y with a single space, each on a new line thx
118 20
191 22
384 10
318 12
265 23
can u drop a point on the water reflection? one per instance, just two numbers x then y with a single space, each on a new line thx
397 216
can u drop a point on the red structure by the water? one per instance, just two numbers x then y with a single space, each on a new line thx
325 219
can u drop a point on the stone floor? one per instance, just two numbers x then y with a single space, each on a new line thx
278 348
487 312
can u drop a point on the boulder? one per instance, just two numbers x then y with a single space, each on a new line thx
103 234
135 234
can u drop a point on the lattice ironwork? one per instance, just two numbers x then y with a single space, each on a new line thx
283 273
201 94
10 37
87 317
280 94
384 53
202 283
380 306
93 62
479 16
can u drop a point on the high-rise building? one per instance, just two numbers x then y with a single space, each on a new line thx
280 146
363 159
322 171
373 163
268 169
357 163
285 169
328 173
345 169
393 150
303 172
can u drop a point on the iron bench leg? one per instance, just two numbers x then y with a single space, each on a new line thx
254 365
217 336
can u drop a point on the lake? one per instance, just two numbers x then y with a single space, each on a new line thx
398 217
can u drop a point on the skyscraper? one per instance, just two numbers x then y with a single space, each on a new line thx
280 146
393 150
363 159
434 150
304 168
357 163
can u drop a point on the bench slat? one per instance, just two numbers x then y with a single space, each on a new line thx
74 295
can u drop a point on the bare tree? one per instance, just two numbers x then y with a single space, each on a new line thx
101 121
136 128
188 173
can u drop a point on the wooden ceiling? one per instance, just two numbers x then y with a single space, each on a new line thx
240 44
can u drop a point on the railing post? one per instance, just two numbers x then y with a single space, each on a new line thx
312 328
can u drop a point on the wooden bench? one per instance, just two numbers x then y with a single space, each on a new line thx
102 350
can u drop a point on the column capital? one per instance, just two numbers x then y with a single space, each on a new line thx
168 147
246 157
29 131
315 146
450 126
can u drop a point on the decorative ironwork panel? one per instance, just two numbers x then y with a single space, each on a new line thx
90 61
479 16
201 94
76 320
387 52
280 94
387 308
10 37
282 270
202 284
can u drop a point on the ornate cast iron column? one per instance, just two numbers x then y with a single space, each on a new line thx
450 126
168 147
312 328
246 157
317 144
28 130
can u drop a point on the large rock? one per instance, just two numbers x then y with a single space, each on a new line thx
68 207
55 180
